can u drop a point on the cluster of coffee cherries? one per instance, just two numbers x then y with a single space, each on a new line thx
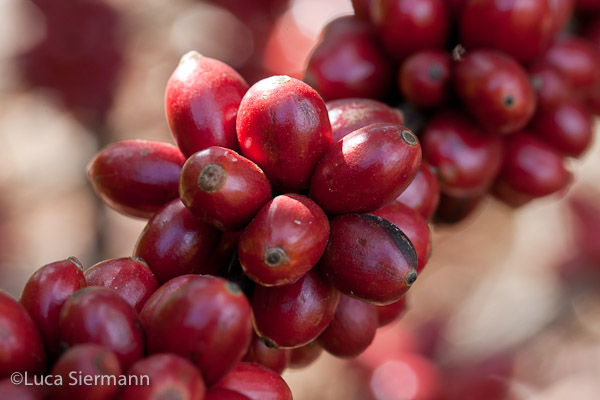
501 94
272 234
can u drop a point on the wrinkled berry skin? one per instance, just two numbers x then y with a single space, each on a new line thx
21 347
99 315
170 375
352 328
495 89
86 359
256 382
423 193
369 258
175 243
201 100
45 293
466 158
222 188
294 315
366 169
128 276
283 126
522 29
284 241
349 62
424 78
350 114
136 177
208 321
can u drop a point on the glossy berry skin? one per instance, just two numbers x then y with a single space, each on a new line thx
86 360
136 177
465 158
129 276
423 193
366 169
45 293
217 393
208 321
175 243
350 114
294 315
522 29
568 127
349 61
256 382
532 167
391 312
578 60
201 102
352 328
550 86
495 89
303 356
283 126
21 392
222 188
424 78
284 241
99 315
170 375
369 258
413 225
406 26
274 359
21 347
161 295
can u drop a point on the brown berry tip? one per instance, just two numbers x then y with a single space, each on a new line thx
212 178
275 257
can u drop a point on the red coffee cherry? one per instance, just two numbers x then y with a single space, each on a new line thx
208 321
175 243
391 312
284 241
129 276
424 78
350 114
256 382
217 393
406 26
413 225
465 158
522 30
222 188
532 167
201 101
366 169
369 258
303 356
495 89
80 362
550 86
423 193
260 353
568 127
283 126
136 177
99 315
455 209
161 295
170 377
561 12
45 293
294 315
21 347
349 61
352 328
21 392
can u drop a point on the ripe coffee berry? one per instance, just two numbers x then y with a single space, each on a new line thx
256 382
284 241
217 393
424 78
222 188
283 126
303 356
201 101
260 353
136 177
391 312
423 193
366 169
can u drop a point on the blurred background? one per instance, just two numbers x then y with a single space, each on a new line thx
509 305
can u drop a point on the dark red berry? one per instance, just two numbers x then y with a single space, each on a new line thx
260 353
551 87
391 312
423 193
424 78
21 392
455 209
256 382
217 393
303 356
